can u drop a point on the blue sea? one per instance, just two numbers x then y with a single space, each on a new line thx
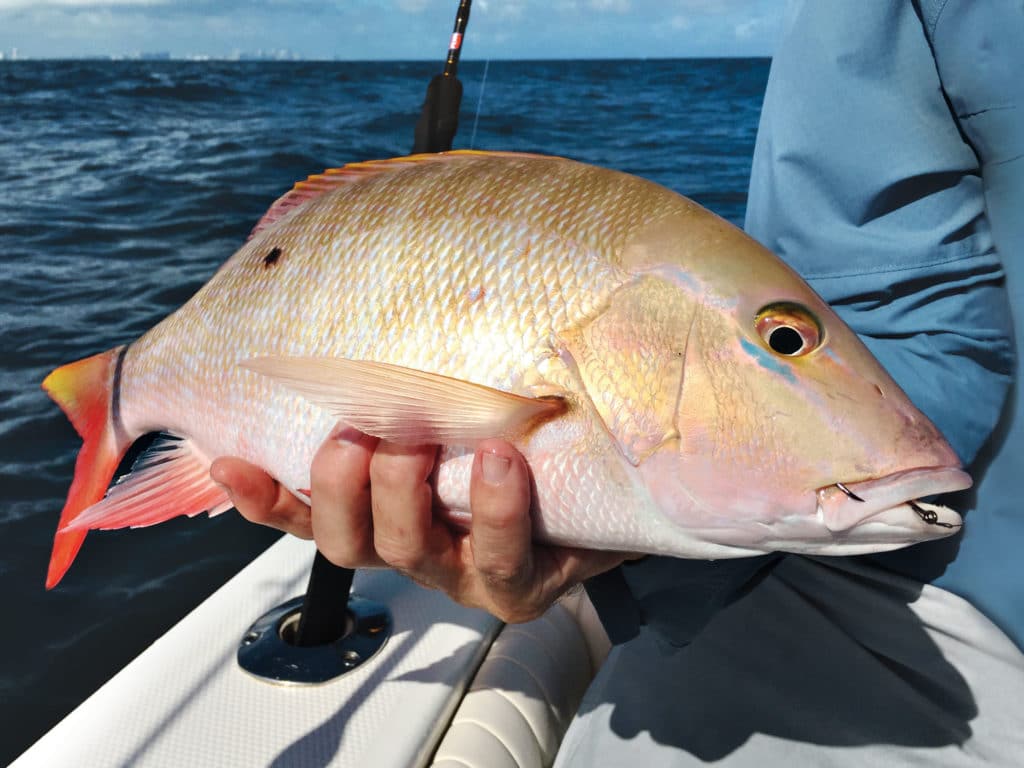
123 186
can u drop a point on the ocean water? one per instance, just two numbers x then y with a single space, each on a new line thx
123 185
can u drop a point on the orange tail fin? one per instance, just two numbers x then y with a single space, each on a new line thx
85 391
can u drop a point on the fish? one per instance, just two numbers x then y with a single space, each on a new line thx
675 388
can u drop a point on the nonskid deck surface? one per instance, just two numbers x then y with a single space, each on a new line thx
185 701
450 686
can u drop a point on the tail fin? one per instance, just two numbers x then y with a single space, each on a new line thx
85 391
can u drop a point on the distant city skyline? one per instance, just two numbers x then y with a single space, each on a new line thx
280 54
388 29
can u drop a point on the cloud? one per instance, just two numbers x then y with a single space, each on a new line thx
504 9
751 28
746 29
206 8
18 5
615 6
705 6
399 29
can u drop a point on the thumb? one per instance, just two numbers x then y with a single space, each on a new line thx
259 498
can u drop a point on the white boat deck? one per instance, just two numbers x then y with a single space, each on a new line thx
186 702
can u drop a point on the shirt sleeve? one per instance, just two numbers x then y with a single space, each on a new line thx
863 181
889 195
979 54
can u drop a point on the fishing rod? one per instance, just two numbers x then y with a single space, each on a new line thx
439 119
323 618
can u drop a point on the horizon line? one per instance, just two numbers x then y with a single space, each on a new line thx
158 56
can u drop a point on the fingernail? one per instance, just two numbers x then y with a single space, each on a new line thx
346 435
494 468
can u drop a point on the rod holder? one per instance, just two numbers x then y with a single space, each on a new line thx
269 651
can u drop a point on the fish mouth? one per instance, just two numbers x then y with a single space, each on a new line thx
891 506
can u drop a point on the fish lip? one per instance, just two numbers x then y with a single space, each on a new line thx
941 480
881 498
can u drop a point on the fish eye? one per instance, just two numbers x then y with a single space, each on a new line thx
788 329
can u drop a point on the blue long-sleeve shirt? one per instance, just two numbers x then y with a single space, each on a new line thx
889 171
863 182
979 54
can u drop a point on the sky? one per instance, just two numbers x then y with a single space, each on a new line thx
392 29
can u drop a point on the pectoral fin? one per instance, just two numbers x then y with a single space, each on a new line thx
405 405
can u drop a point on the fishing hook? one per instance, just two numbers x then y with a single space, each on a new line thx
848 492
929 516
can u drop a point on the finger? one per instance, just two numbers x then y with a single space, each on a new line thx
261 499
563 567
501 529
555 571
402 503
340 490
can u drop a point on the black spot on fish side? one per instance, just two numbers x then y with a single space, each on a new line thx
271 258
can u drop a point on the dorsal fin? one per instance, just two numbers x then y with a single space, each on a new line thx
332 178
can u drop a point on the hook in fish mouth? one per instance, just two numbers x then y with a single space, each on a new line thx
848 492
927 515
845 506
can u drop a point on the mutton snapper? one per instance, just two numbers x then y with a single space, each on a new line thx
675 388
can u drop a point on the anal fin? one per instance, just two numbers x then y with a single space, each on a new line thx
169 480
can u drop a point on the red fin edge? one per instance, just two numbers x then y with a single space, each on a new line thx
83 391
318 184
169 480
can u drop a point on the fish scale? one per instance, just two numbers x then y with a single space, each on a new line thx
372 307
610 328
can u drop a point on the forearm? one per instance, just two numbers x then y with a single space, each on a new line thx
944 335
979 58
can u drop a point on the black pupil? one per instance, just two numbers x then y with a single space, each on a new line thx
785 340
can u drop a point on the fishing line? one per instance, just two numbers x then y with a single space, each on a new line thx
479 101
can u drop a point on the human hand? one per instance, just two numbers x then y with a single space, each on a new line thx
373 506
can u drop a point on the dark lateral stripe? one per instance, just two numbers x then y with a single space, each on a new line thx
120 433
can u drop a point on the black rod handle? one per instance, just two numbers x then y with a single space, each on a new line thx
324 614
439 119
